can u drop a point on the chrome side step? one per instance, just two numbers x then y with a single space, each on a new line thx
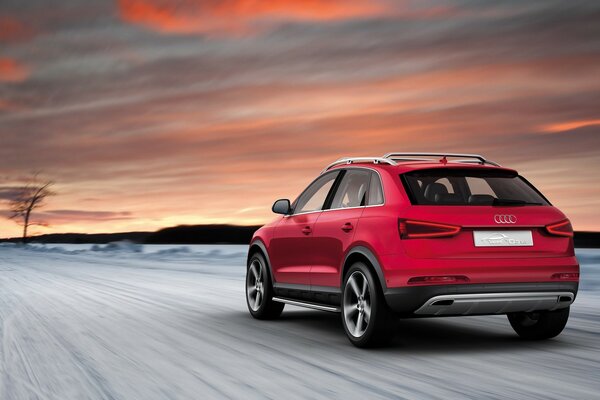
301 303
495 303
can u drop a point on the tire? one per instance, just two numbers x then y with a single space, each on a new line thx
259 290
366 317
539 325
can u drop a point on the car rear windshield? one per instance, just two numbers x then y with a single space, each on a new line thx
469 187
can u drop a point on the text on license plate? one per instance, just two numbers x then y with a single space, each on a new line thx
506 238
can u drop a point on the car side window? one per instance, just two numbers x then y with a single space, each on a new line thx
313 198
375 191
352 191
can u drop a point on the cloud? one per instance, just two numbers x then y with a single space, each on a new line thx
235 16
569 125
62 216
12 71
9 192
187 128
65 217
13 30
6 105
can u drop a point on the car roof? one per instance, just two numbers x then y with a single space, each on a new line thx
401 167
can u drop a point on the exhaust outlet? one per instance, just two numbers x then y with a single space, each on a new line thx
443 303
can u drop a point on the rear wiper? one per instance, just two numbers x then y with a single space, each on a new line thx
513 202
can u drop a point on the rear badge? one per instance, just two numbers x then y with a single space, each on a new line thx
505 219
502 238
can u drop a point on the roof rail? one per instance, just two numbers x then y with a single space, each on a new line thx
352 160
471 158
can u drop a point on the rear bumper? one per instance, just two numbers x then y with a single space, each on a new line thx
479 299
399 269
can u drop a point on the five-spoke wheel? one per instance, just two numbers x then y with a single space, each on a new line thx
365 314
357 304
254 285
259 291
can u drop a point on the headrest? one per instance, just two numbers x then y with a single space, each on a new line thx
434 188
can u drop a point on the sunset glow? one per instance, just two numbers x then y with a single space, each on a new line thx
153 113
569 126
235 16
12 71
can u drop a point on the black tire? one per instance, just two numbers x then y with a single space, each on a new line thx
539 325
265 307
378 331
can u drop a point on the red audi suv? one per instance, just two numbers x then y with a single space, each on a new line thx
415 235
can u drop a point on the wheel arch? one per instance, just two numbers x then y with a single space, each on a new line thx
364 254
257 246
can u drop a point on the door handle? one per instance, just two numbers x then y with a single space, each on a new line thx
306 230
347 227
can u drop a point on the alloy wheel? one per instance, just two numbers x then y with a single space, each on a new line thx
357 304
254 285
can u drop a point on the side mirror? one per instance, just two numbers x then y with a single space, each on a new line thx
282 206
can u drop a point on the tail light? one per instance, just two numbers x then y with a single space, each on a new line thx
562 228
420 229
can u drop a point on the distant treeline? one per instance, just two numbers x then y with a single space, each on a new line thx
207 234
203 234
587 239
184 234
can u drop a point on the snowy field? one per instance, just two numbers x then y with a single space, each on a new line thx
164 322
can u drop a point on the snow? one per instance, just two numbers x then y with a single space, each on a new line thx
126 321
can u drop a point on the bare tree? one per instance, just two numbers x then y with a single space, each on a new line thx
29 198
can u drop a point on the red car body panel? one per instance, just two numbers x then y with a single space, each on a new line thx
333 236
290 248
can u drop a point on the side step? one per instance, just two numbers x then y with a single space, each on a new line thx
306 304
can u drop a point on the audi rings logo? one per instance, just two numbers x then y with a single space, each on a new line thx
505 219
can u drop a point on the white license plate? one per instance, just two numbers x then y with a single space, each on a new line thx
502 238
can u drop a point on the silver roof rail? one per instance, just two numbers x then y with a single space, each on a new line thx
352 160
415 157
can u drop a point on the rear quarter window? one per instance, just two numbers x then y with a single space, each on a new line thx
375 191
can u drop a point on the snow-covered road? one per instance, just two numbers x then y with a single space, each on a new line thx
172 324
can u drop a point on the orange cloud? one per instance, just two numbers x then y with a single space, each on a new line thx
194 16
11 29
568 126
12 71
6 105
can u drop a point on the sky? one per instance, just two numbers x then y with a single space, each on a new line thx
153 113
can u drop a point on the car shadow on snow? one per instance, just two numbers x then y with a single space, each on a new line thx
418 335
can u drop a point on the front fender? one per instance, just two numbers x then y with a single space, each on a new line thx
258 244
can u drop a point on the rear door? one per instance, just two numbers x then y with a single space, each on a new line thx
499 213
335 228
291 248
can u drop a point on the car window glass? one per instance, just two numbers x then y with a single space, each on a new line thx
315 195
446 182
352 191
375 190
479 186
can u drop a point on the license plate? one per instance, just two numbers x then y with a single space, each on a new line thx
502 238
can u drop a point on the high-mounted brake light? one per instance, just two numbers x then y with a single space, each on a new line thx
562 228
410 229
